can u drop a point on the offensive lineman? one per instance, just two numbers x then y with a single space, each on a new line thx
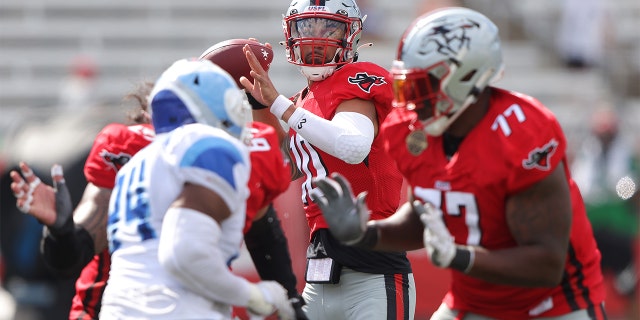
491 198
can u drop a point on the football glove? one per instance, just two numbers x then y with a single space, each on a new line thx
296 303
346 216
266 297
50 205
441 248
64 209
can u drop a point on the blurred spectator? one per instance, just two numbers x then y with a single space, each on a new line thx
77 90
607 170
583 30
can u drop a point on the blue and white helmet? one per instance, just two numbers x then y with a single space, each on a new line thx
193 90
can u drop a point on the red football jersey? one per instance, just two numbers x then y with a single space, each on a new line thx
111 149
517 143
270 174
377 175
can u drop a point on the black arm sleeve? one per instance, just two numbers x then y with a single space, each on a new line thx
66 254
269 251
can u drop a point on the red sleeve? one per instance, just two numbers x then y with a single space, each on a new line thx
112 148
541 146
270 173
367 81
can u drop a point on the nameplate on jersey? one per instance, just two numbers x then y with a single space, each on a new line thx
322 270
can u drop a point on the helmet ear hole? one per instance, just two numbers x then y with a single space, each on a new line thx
469 75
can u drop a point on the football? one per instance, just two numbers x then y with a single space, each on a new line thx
229 56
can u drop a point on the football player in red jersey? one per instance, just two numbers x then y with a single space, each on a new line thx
491 196
333 127
77 245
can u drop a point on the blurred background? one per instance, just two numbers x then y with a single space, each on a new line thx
65 66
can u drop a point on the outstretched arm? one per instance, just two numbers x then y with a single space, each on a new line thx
66 247
539 219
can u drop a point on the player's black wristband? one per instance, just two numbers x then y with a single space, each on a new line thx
369 239
65 255
269 251
255 105
463 260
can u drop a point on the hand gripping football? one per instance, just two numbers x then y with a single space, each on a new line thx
229 56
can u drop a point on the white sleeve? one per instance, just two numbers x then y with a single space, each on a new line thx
188 250
348 136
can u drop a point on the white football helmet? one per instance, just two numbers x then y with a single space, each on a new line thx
323 25
445 59
193 90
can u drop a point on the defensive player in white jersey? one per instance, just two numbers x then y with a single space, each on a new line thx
178 207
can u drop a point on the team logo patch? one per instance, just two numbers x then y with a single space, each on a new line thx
539 157
115 161
365 81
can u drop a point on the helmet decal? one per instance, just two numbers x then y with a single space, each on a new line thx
449 37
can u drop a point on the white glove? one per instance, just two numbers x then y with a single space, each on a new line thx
437 239
346 215
265 297
441 248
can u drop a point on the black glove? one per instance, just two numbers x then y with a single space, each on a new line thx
255 105
64 208
345 214
297 303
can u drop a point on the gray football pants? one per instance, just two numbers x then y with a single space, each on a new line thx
363 296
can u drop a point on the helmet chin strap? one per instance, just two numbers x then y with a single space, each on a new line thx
437 127
317 73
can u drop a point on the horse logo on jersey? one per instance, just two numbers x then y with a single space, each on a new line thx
115 161
365 81
539 157
449 38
